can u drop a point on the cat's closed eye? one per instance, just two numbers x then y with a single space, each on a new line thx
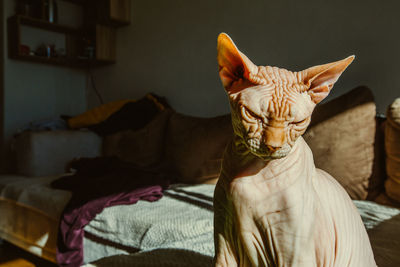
301 121
249 115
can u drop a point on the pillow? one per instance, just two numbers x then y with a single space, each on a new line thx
392 145
342 136
143 147
195 146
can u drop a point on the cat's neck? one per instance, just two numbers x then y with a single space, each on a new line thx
239 162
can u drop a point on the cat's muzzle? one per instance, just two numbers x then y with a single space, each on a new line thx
261 150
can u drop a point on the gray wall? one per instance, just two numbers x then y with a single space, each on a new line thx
170 47
36 91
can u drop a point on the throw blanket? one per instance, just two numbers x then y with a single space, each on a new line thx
177 230
99 183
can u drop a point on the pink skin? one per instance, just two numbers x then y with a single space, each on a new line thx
272 206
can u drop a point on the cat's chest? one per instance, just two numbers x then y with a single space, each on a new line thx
280 190
257 200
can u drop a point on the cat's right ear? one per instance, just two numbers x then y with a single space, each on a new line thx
320 79
233 64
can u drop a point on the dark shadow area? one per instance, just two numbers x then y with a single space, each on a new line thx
385 241
110 243
192 201
157 258
378 176
197 195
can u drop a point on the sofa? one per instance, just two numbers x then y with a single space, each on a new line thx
346 136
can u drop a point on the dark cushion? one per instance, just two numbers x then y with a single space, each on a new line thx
195 146
144 147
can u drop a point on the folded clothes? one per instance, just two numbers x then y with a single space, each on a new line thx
120 115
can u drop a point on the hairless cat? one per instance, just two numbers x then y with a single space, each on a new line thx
272 206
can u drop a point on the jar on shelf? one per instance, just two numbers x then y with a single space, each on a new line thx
51 13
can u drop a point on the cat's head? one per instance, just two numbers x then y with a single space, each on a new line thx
271 107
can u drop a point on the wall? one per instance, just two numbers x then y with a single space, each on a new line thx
170 47
35 92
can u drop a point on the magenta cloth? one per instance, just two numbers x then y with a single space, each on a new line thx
110 183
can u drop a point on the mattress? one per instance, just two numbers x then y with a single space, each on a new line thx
178 226
29 213
29 217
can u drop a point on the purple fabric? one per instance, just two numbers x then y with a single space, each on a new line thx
99 183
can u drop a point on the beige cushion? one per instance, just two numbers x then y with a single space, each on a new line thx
342 136
195 146
392 145
143 147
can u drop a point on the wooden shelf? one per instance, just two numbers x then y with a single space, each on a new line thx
45 25
114 12
78 2
64 61
95 39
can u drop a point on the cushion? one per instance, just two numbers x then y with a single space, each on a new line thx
195 146
392 145
143 147
342 136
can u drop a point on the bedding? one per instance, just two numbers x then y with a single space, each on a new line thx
159 234
176 230
30 212
93 188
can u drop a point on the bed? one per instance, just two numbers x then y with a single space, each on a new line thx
176 230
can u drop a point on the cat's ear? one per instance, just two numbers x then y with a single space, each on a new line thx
320 79
233 64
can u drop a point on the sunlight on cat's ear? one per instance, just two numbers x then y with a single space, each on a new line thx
233 64
320 79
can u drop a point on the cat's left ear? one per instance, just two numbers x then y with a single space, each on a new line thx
320 79
233 64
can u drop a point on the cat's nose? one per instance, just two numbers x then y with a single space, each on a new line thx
274 138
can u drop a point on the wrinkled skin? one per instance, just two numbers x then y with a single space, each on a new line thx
272 206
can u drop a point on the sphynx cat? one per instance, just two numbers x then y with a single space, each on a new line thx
272 206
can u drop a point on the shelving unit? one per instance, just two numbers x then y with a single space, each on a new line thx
113 12
96 30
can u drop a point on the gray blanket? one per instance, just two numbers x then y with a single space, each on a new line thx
177 230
